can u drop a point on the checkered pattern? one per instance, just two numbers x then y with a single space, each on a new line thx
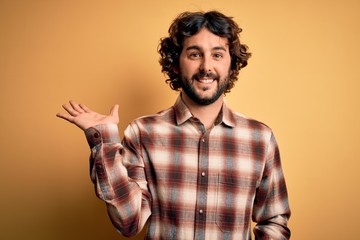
189 183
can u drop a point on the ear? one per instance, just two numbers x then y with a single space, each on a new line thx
231 72
176 69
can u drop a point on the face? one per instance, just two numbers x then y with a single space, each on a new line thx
204 67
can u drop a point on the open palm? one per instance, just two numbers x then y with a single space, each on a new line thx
84 117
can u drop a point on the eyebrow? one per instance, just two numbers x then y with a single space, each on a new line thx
196 47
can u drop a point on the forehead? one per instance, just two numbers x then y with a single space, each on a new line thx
206 40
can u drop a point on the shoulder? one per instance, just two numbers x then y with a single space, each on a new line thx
160 118
242 120
251 127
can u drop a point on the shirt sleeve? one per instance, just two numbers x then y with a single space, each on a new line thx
117 171
271 208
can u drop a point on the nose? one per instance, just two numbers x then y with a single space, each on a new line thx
206 64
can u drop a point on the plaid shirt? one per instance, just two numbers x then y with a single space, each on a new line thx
187 182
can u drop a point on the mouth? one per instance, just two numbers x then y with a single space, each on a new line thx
205 80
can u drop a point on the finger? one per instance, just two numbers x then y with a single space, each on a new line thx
66 117
69 108
76 106
85 108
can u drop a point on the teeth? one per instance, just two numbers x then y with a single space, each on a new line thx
205 80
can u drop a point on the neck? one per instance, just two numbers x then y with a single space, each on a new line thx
207 114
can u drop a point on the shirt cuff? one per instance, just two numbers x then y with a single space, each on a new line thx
106 133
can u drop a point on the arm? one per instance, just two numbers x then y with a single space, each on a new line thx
271 208
117 170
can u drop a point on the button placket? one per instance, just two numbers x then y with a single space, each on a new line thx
203 164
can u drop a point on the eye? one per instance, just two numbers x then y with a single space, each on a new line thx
218 56
194 55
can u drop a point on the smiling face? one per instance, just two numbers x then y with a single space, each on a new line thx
204 67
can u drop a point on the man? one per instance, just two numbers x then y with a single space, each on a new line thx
197 170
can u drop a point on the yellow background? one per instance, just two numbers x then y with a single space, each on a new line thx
303 81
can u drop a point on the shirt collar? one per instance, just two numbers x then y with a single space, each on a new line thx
228 116
182 113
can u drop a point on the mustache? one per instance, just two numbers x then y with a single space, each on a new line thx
199 75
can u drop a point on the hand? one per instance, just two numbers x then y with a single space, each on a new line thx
84 117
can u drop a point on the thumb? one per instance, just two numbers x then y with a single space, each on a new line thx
114 111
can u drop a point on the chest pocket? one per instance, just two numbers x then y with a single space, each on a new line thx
235 196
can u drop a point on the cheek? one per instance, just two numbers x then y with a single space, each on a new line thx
187 68
225 68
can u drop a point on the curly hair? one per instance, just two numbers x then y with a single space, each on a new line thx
188 24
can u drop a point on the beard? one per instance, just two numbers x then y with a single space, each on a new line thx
188 87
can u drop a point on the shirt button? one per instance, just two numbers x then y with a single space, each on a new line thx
203 140
203 174
201 211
